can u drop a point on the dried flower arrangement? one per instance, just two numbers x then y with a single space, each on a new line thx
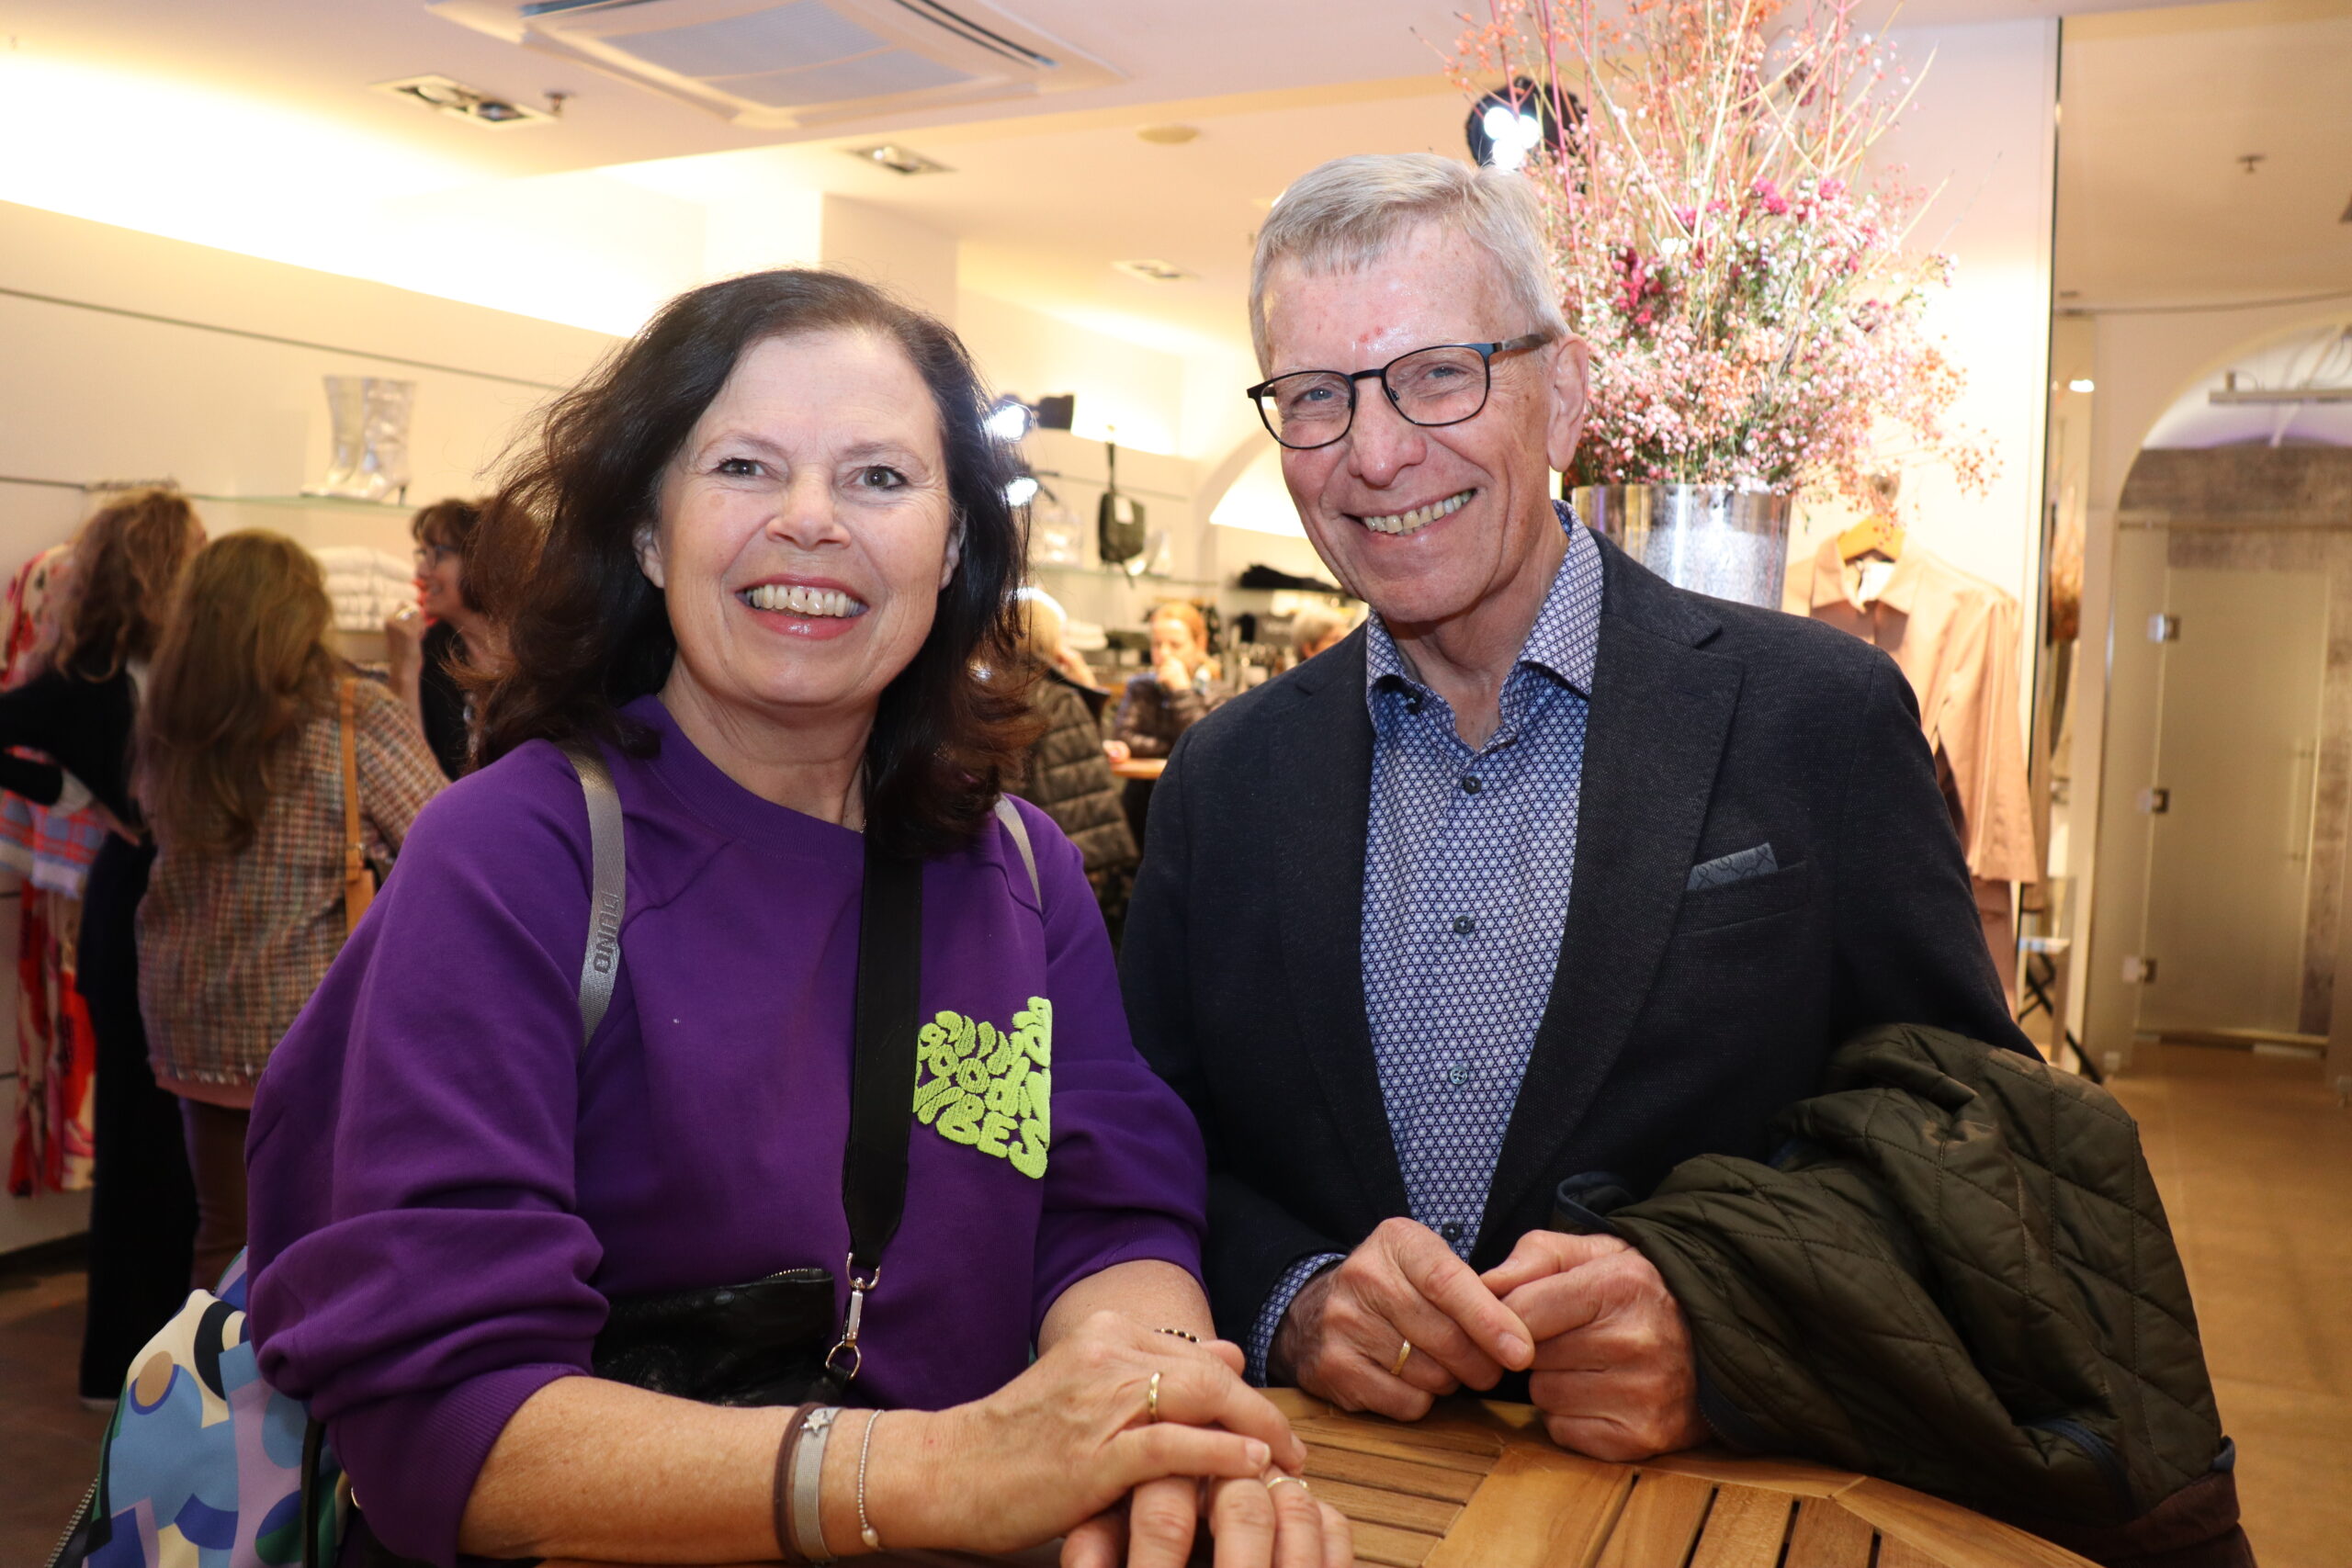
1743 279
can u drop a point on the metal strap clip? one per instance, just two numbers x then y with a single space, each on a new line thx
851 1321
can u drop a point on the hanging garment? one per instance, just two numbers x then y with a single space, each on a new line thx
51 848
1955 637
366 586
56 1055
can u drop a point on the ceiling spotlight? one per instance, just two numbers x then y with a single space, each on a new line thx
1156 271
1009 419
2081 384
1021 491
1510 122
1169 135
452 96
899 160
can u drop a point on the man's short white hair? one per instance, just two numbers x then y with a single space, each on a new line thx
1345 215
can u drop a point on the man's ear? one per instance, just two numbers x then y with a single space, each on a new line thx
646 541
1571 383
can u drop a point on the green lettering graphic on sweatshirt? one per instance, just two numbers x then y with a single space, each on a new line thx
988 1089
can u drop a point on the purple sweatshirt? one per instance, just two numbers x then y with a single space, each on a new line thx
445 1188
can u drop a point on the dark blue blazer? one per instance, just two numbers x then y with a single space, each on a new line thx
1680 1021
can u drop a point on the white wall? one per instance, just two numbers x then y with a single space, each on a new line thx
131 357
1982 126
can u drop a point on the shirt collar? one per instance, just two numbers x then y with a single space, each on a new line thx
1830 585
1564 640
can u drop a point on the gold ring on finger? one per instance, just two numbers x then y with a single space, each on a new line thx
1294 1480
1404 1354
1152 1399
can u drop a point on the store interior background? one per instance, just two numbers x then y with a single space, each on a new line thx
207 208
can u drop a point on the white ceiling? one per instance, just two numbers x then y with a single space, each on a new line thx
1045 193
318 58
2153 205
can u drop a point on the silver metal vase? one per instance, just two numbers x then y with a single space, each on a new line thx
1711 539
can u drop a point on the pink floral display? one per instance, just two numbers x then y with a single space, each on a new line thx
1742 277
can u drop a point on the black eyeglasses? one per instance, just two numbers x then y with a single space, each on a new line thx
1444 385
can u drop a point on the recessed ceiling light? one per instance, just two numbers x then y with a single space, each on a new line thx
2081 384
899 160
452 96
1156 271
1169 135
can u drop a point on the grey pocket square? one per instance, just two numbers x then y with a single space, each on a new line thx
1737 866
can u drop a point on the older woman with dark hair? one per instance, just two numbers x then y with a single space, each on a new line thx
446 633
772 573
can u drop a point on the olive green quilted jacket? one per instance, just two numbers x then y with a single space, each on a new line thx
1955 1273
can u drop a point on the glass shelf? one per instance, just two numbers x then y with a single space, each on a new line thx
311 503
1121 574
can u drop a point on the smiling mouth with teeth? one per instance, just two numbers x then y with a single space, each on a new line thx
813 602
1419 517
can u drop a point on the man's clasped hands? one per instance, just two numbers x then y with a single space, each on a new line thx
1587 1316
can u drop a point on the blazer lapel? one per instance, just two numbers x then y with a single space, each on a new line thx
1324 756
1660 714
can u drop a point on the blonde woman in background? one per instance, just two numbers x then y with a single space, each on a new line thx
1174 694
241 770
1067 775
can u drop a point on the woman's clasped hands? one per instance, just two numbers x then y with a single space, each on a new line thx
1121 1439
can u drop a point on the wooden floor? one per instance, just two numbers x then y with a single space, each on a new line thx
2252 1157
49 1444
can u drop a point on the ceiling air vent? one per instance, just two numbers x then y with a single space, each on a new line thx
800 63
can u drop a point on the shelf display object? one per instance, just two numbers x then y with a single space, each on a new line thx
370 438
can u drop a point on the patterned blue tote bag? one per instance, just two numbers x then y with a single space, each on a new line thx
204 1464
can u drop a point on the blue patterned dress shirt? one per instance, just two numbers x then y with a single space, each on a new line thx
1468 857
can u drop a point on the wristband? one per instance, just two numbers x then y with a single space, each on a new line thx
780 1498
808 1473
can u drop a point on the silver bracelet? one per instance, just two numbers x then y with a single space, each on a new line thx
807 1473
864 1451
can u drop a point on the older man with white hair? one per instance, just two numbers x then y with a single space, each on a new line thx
1549 874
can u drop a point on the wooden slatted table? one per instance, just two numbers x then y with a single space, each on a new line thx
1478 1485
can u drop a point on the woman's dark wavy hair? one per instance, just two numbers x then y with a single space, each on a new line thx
555 560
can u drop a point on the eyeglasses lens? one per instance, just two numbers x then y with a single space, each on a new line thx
1434 386
1438 386
1311 409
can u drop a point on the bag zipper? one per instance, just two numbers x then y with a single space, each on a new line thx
80 1517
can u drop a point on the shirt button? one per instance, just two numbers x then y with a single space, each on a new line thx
1458 1074
1470 785
1413 705
1451 1230
1463 925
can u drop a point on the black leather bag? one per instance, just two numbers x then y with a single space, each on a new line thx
1118 519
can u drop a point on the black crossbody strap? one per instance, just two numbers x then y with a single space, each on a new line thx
608 894
882 1090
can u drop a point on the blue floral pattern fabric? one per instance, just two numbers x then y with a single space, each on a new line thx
1468 860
